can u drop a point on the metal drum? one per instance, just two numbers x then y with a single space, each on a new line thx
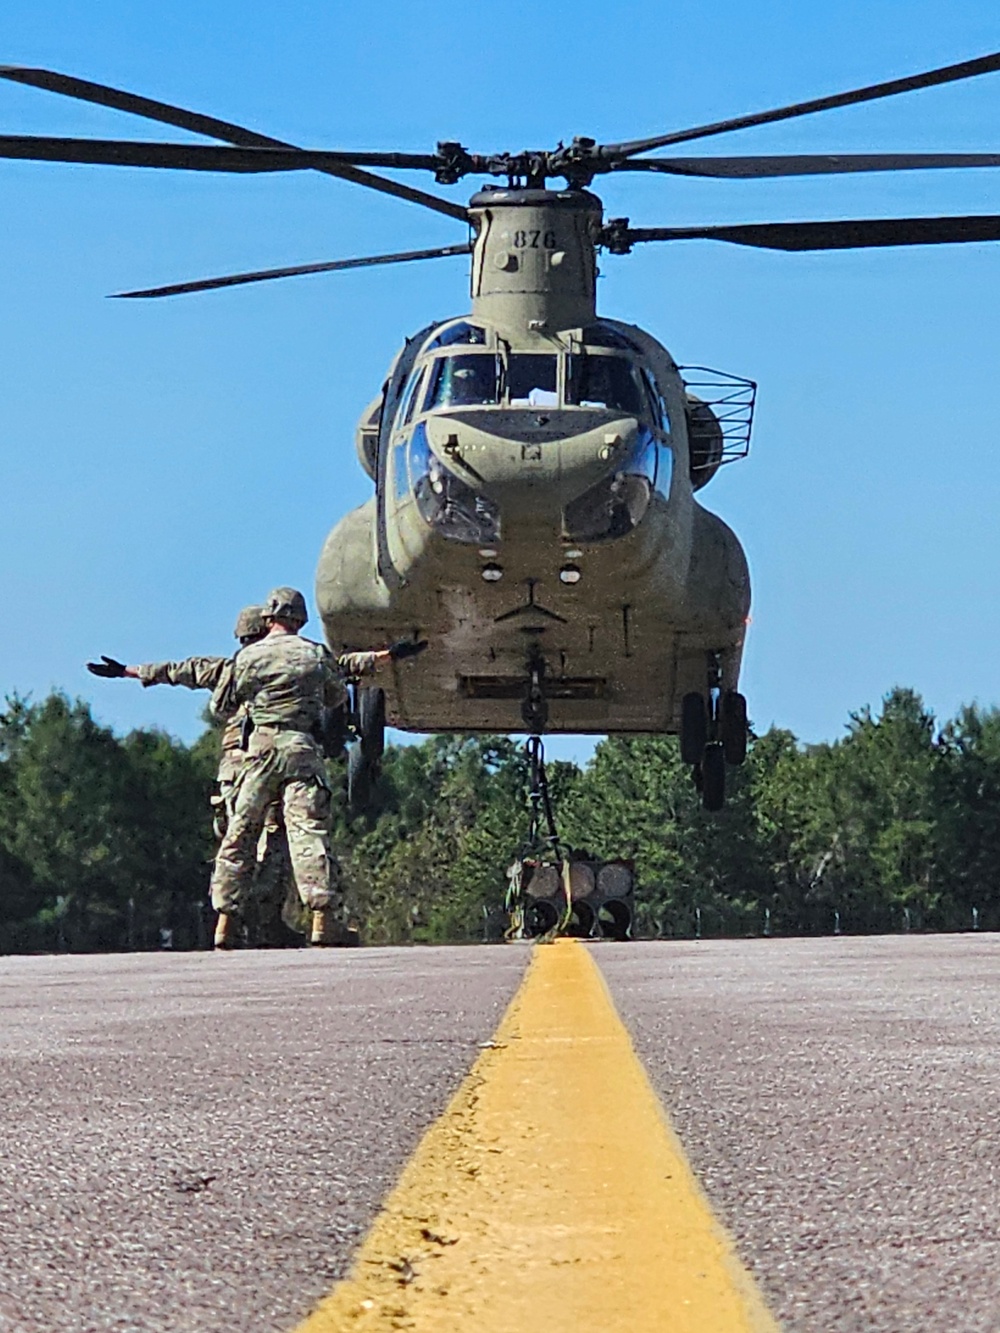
581 879
545 882
615 880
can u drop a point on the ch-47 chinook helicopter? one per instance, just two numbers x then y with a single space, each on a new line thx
535 465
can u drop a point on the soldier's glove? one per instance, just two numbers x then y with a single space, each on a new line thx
406 648
107 666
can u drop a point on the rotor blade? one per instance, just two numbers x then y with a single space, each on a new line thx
192 156
84 90
838 235
265 275
823 164
968 69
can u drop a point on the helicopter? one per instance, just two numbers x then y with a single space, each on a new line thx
536 465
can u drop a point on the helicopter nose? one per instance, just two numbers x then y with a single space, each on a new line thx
532 464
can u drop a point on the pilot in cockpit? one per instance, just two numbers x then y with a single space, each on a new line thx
465 381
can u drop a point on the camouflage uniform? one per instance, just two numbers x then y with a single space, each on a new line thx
205 673
273 888
273 884
194 673
284 682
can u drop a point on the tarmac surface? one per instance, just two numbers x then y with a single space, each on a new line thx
839 1099
198 1142
194 1143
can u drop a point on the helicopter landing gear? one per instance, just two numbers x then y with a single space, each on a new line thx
364 758
713 734
733 727
713 777
694 728
534 705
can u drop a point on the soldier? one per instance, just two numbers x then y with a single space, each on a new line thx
274 890
273 885
285 682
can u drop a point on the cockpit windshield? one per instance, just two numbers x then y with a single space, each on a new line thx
533 380
465 380
603 381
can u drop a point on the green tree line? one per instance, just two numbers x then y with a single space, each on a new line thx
105 842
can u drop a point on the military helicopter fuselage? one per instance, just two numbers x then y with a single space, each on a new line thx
535 514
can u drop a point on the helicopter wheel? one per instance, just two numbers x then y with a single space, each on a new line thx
694 728
364 758
713 775
733 726
360 780
371 722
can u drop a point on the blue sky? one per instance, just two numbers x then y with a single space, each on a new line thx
165 463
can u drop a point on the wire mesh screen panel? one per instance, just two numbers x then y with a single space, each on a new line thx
719 413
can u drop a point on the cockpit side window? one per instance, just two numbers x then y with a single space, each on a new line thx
464 380
658 407
618 503
533 379
412 398
604 381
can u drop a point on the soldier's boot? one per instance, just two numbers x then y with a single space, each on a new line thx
330 932
227 931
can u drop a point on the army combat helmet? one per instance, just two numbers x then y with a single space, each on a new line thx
250 624
285 604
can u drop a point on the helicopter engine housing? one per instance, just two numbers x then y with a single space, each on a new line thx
705 441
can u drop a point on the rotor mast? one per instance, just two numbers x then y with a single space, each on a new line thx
534 265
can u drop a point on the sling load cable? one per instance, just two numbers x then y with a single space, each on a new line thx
540 803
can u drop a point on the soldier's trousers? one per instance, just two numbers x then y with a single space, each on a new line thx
288 772
273 888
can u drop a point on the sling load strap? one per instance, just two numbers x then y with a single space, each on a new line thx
514 901
541 806
539 796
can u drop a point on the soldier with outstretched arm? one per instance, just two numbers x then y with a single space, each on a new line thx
215 674
285 682
278 687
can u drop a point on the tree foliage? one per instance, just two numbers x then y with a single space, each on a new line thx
105 841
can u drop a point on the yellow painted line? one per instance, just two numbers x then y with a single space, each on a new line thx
551 1196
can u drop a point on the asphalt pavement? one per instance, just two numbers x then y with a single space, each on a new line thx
194 1143
197 1142
838 1099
